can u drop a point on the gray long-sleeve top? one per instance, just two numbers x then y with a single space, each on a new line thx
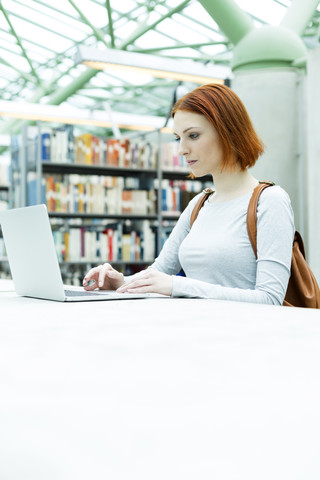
217 257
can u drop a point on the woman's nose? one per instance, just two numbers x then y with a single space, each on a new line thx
183 149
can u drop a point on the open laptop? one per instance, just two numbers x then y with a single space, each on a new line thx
33 259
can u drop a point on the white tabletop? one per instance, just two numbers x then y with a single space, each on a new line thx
158 389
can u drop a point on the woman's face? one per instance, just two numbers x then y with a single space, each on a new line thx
199 143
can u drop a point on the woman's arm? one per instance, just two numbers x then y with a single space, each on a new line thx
275 232
274 242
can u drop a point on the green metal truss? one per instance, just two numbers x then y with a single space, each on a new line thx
39 68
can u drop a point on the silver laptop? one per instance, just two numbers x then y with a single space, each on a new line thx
33 259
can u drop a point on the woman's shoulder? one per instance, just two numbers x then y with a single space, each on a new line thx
274 195
195 199
275 202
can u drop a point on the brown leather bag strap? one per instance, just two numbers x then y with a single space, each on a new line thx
252 213
196 209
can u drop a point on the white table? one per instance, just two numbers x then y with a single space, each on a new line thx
158 389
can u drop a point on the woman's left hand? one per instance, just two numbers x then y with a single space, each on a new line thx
150 281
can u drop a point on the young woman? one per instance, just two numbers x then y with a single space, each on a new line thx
216 137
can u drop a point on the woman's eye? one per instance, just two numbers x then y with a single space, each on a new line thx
176 139
193 135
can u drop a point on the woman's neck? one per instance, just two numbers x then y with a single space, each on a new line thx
230 185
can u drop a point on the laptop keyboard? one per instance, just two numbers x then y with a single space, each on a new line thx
78 293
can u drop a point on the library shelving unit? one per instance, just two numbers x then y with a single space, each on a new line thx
108 199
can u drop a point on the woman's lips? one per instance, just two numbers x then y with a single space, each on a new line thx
191 162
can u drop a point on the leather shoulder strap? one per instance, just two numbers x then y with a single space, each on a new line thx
196 209
252 213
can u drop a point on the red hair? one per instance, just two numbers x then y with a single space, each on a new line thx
226 112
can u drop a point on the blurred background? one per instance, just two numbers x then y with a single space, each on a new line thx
112 70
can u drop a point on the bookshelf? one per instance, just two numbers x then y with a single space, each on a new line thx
108 199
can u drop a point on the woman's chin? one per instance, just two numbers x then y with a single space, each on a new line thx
197 173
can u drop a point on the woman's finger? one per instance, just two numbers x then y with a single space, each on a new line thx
144 289
139 282
90 285
102 274
90 276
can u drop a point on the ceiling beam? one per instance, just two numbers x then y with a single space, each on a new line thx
95 30
299 14
51 8
22 74
110 24
233 21
142 29
14 33
32 22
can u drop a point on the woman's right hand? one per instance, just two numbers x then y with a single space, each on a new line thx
104 277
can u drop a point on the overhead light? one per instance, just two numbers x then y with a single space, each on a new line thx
77 116
153 65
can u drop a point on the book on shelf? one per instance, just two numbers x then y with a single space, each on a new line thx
170 157
45 146
32 190
59 145
176 194
94 194
111 243
113 152
138 202
89 150
124 157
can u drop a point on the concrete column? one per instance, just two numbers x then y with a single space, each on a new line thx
273 98
313 163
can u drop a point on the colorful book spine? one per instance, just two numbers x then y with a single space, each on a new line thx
109 244
97 195
60 145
